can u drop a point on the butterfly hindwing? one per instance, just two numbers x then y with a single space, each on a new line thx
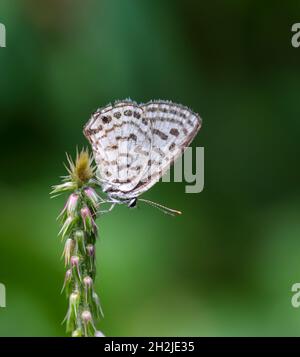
173 128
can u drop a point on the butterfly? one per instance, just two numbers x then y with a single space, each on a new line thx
135 144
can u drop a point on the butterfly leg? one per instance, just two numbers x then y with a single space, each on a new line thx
108 210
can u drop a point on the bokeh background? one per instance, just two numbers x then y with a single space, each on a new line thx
224 268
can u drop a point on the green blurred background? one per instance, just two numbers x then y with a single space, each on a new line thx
224 268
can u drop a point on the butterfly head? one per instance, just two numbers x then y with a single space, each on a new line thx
132 202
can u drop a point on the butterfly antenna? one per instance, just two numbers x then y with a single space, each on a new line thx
162 208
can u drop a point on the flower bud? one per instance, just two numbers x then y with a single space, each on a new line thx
75 266
79 237
92 197
69 246
68 274
88 289
66 227
99 334
87 219
85 212
67 280
77 333
90 250
88 282
97 305
72 204
88 323
74 260
67 186
86 316
74 301
74 298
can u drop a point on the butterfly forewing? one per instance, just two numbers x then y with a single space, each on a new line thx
121 145
133 147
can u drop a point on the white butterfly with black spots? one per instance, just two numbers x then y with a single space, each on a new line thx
135 144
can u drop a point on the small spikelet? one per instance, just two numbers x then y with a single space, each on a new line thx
82 171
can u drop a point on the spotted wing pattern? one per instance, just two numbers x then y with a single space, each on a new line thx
121 140
134 145
173 127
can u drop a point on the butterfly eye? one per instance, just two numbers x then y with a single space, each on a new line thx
132 203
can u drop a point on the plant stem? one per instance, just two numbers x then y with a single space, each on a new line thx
80 232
